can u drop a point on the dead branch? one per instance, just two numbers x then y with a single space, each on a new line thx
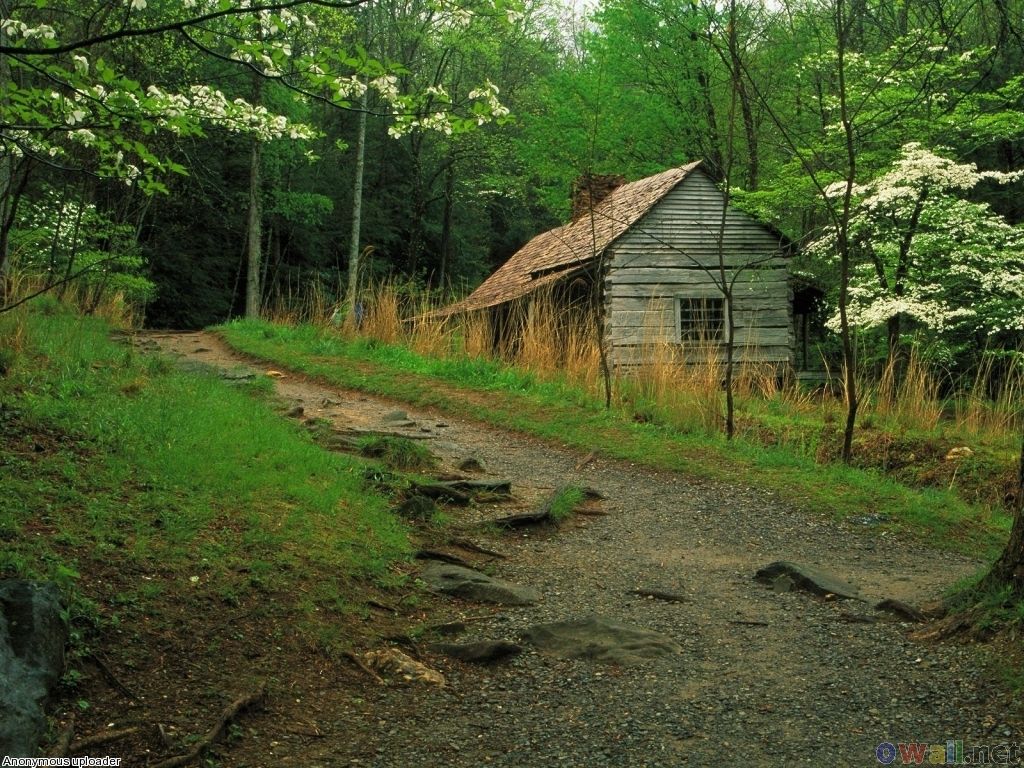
472 546
354 658
110 676
227 716
443 492
586 460
104 737
63 742
543 515
444 557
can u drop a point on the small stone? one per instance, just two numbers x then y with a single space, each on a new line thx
481 652
473 585
601 640
808 579
471 464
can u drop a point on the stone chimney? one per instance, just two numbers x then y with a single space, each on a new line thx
590 189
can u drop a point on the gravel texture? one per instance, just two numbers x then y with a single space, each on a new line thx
764 678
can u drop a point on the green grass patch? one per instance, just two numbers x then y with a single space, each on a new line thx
564 503
155 481
553 410
397 452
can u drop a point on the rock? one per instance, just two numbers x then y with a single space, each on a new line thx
32 638
394 417
963 452
471 464
448 629
782 584
660 594
416 507
296 412
901 609
392 662
808 579
482 652
601 639
472 585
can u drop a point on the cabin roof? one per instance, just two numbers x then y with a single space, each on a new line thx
555 254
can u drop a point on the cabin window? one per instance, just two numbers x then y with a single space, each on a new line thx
701 319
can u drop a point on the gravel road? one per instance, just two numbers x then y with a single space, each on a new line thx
764 678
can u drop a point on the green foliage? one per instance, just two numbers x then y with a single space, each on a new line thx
127 473
60 236
564 503
397 452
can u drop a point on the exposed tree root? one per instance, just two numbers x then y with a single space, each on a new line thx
227 716
99 739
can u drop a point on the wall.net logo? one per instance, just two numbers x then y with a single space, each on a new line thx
952 752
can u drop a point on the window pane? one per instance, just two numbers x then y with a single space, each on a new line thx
701 319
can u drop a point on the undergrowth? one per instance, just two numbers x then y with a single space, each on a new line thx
125 479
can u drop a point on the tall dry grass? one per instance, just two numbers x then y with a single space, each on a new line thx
988 409
905 393
111 305
291 305
679 384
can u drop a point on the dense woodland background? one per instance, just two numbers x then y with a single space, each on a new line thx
478 117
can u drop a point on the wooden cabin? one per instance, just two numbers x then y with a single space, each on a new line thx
653 248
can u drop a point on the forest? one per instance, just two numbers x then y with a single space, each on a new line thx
245 425
207 159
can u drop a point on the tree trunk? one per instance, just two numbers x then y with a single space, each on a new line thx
447 241
6 184
254 235
69 268
843 240
357 214
736 93
1009 568
740 92
715 157
417 220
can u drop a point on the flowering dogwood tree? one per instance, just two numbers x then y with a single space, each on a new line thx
68 101
930 259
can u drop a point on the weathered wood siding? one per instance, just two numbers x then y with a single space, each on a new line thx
667 255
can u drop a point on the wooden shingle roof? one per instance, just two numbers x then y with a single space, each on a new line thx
562 251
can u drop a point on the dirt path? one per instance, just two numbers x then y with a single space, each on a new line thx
764 678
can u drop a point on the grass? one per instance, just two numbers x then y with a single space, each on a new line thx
568 413
564 503
125 480
397 452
